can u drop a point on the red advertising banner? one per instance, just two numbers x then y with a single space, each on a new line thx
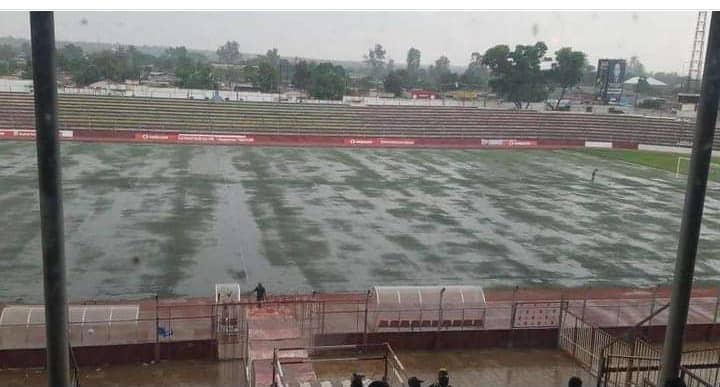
17 133
379 141
508 143
156 137
214 138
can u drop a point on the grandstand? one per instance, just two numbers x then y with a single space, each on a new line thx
127 118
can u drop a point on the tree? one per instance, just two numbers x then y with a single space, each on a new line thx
393 82
86 75
635 68
516 74
390 66
441 76
569 70
413 66
589 75
71 58
229 52
267 77
476 74
199 76
376 61
7 52
327 81
273 57
302 75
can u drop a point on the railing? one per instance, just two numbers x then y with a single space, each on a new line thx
169 321
631 371
630 360
392 372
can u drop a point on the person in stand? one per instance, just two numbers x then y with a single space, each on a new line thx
259 293
575 382
356 380
415 382
443 379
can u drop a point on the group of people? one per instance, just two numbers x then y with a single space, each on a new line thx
443 381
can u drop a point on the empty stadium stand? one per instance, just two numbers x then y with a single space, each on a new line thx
125 114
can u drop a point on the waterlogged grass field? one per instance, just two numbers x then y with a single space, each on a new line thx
175 220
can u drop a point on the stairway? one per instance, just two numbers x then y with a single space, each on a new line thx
270 327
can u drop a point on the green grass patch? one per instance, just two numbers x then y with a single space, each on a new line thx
659 160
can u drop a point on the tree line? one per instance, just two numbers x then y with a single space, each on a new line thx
514 74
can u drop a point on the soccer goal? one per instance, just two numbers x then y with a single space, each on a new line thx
683 165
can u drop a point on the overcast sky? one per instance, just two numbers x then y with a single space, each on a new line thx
662 40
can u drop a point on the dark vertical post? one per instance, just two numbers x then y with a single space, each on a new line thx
157 329
365 327
42 31
694 201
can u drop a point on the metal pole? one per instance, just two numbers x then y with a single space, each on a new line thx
42 31
157 329
694 201
365 327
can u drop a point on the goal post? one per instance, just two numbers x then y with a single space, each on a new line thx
683 164
677 164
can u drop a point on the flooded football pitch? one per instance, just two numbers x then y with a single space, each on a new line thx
175 220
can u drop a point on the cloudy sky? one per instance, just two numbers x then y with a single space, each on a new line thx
662 40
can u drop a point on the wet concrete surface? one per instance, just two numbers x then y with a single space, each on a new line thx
174 220
497 367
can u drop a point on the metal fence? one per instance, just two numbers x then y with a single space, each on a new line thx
167 321
392 371
629 361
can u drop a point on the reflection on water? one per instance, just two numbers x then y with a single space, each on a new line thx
174 220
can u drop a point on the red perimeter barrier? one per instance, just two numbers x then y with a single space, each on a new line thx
298 140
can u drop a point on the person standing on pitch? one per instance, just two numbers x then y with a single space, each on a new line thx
259 293
593 175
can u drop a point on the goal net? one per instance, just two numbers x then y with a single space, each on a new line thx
683 164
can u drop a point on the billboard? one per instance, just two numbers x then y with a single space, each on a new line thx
610 78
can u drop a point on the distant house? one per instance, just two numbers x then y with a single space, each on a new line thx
159 79
109 87
245 86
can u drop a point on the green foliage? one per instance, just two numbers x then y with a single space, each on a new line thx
4 67
27 70
516 74
476 75
413 66
394 81
229 52
273 57
7 52
642 86
569 70
375 60
198 76
267 78
302 75
366 83
327 81
230 74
